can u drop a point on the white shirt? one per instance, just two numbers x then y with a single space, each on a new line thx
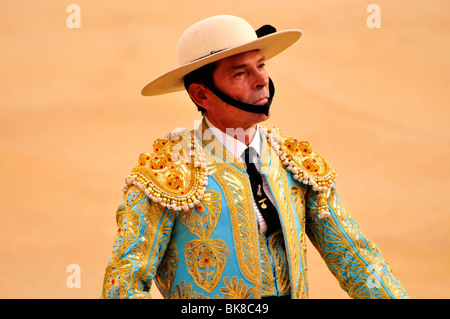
237 148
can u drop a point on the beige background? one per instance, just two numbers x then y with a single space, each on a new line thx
374 102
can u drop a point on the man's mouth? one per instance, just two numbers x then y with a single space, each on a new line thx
261 101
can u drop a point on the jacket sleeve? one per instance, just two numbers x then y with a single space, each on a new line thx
142 236
352 258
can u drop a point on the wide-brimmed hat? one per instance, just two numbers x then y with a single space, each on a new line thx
213 39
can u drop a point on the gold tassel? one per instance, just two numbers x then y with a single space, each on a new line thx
322 203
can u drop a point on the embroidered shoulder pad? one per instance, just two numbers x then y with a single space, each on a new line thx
174 175
306 165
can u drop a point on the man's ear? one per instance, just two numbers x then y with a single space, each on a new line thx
197 93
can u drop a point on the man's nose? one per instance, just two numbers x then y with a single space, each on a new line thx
262 79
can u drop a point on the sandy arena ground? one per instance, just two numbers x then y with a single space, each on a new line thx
373 101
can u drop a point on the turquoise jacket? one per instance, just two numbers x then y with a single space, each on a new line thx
187 223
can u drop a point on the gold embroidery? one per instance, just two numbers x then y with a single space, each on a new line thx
118 275
167 269
303 275
140 251
235 289
146 262
128 220
278 181
205 258
203 220
174 176
184 291
267 282
310 167
298 200
276 245
159 246
206 261
303 286
243 221
306 165
368 250
339 252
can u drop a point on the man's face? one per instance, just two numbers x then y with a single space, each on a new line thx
244 78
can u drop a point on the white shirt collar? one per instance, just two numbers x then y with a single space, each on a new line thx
237 148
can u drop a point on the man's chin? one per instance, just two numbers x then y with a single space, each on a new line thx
261 117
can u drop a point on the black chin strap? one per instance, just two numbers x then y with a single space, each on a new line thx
259 109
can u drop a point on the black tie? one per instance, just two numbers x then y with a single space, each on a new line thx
267 209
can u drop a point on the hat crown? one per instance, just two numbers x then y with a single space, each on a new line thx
213 35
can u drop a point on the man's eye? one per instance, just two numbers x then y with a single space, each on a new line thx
239 74
262 65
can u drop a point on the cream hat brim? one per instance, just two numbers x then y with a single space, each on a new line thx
269 45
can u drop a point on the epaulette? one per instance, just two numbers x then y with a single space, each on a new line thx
174 175
306 165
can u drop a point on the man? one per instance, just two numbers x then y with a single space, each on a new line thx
222 211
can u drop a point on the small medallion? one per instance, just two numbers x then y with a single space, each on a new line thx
263 205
